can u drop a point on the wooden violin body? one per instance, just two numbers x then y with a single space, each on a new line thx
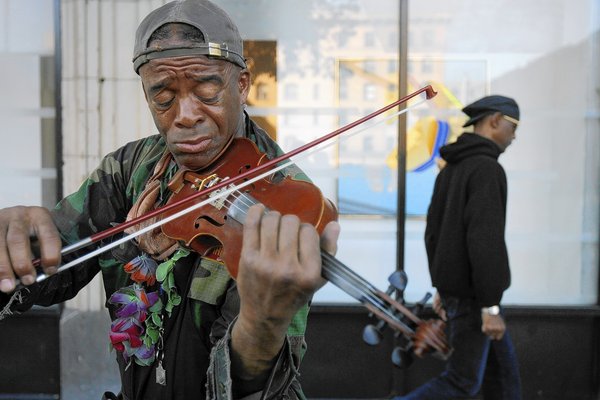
214 224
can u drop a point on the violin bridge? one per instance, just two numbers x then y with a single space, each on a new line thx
219 202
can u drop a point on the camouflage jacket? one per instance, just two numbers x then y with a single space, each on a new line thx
196 338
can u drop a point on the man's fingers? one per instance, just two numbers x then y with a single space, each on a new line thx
330 236
438 307
310 255
269 233
252 228
7 277
287 240
493 326
18 225
50 246
19 250
442 314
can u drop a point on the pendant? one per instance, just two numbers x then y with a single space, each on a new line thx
161 374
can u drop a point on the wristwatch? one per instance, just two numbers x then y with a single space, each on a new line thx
493 310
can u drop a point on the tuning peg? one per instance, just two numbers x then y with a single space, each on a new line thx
401 357
398 280
421 303
425 299
372 333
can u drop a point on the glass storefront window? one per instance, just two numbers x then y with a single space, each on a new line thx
465 50
469 49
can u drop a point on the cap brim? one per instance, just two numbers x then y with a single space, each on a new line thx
477 118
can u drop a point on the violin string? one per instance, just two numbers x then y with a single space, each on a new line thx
333 270
224 193
346 274
332 264
337 272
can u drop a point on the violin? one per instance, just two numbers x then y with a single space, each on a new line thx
217 226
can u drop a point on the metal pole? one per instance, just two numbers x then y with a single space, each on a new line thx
398 379
58 99
401 173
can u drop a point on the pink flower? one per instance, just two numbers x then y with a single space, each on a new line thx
125 329
125 336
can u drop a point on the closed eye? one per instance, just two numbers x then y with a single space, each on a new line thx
164 104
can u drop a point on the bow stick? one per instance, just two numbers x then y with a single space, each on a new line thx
269 166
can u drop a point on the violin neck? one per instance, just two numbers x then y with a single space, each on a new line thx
339 274
362 290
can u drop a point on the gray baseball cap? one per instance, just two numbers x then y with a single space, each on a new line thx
221 36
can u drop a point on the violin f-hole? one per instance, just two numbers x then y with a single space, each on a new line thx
242 170
206 218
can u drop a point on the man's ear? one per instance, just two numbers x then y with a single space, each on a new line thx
495 119
144 90
141 74
244 81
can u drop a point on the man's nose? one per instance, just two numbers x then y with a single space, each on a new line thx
189 113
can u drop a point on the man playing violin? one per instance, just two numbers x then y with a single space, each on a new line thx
183 328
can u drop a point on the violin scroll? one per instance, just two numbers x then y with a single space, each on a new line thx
372 334
414 335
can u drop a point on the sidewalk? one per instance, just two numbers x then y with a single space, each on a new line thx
88 367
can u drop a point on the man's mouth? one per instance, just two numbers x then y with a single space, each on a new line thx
193 146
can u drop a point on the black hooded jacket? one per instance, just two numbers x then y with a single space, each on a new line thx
464 236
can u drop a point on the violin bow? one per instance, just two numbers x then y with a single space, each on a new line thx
270 167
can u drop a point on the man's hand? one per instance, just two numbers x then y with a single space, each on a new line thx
279 271
438 307
493 326
18 225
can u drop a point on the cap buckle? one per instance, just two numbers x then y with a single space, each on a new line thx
214 49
